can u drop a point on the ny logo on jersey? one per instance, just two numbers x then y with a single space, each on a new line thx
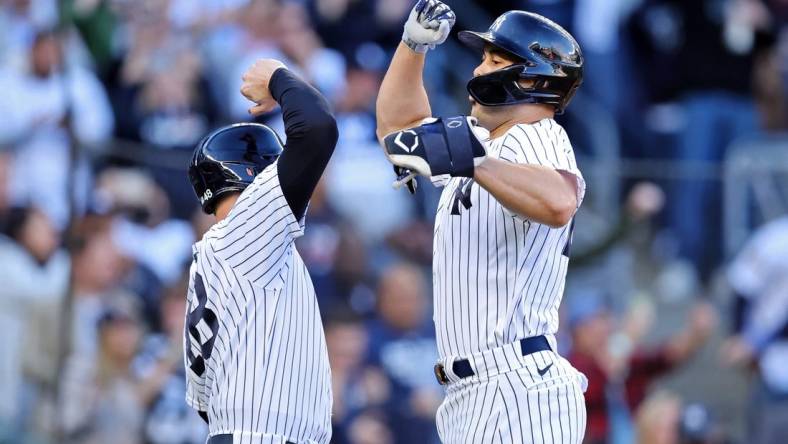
462 195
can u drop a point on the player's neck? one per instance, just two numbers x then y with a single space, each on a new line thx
225 205
525 114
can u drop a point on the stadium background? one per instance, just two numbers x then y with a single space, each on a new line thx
677 301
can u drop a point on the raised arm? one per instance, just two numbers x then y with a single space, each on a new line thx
310 128
402 100
311 137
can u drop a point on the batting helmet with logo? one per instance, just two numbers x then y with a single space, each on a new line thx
229 159
544 52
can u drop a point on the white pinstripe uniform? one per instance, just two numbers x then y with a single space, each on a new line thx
255 350
498 278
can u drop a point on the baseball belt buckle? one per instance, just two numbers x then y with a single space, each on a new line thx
440 374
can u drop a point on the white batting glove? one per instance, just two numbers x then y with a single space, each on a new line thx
428 25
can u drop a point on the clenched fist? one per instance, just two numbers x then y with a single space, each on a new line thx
428 25
255 85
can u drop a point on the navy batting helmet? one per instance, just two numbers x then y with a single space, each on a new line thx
229 158
545 53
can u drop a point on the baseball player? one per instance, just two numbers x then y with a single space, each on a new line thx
504 222
257 367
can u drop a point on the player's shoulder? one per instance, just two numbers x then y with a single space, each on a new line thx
536 132
546 134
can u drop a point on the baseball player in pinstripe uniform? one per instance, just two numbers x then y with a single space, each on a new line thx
257 367
504 223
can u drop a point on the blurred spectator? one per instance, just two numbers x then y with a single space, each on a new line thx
201 14
608 59
636 260
759 278
103 401
664 419
620 370
359 178
163 99
168 419
345 24
252 38
356 388
402 344
98 267
770 75
698 426
41 108
324 67
159 246
658 418
319 247
34 276
132 194
281 31
19 20
337 258
701 54
370 427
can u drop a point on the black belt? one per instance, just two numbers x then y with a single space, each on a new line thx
462 367
226 439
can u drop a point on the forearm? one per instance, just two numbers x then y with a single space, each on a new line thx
311 136
402 100
535 192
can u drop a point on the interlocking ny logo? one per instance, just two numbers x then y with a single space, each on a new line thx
407 147
462 196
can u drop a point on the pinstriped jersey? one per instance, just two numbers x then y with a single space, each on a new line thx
255 351
498 277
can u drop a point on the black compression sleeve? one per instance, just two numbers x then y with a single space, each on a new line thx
311 136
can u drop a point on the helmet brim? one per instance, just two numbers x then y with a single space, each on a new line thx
476 40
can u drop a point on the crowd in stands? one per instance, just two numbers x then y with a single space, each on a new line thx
102 102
